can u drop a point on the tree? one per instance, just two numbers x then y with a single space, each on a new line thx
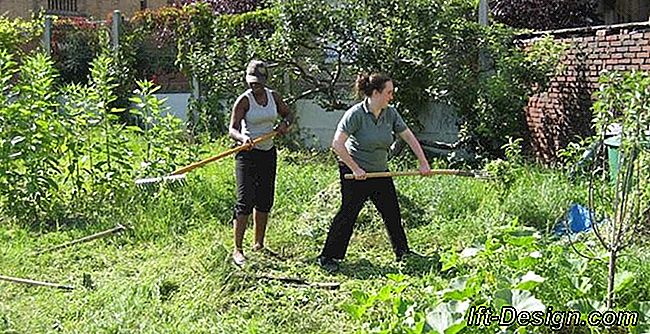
228 6
545 14
624 197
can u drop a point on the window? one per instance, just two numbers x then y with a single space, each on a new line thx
143 4
62 5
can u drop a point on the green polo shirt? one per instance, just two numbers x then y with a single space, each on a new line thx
370 138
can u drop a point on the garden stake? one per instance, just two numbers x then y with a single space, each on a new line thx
178 176
455 172
118 228
34 283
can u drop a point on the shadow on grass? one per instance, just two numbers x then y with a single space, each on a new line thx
412 213
413 265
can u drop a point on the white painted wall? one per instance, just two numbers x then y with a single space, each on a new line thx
317 126
177 103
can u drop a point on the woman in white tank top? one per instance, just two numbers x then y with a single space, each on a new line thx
254 114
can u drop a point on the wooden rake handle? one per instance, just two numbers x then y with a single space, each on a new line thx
456 172
203 162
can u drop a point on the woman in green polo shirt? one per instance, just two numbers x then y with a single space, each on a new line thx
361 142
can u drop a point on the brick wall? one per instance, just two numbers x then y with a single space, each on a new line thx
561 112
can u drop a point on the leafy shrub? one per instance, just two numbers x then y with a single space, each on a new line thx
63 152
75 43
16 33
228 6
31 139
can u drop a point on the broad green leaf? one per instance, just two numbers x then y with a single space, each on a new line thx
529 281
448 318
385 293
623 280
521 300
459 289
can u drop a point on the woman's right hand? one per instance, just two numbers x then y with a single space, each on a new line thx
247 142
359 174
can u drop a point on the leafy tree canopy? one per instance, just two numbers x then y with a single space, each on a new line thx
545 14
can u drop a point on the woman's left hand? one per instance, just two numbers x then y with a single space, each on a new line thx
282 128
425 169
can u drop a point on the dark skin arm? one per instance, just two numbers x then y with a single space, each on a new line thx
283 110
238 112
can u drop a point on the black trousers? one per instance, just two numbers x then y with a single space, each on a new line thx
255 172
381 192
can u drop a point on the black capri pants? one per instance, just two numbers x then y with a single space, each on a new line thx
255 172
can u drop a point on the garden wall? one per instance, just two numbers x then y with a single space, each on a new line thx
560 112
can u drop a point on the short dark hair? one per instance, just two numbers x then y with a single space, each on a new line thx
366 84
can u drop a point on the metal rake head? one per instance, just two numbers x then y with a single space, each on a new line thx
172 181
481 174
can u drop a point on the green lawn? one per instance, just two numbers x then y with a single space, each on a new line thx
170 272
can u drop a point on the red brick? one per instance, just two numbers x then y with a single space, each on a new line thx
635 48
622 49
620 67
615 43
612 38
643 55
617 56
637 61
631 42
624 61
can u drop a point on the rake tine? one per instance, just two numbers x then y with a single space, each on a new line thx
172 180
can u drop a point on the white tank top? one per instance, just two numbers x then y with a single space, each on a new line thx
259 120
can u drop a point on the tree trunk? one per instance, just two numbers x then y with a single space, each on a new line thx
613 253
